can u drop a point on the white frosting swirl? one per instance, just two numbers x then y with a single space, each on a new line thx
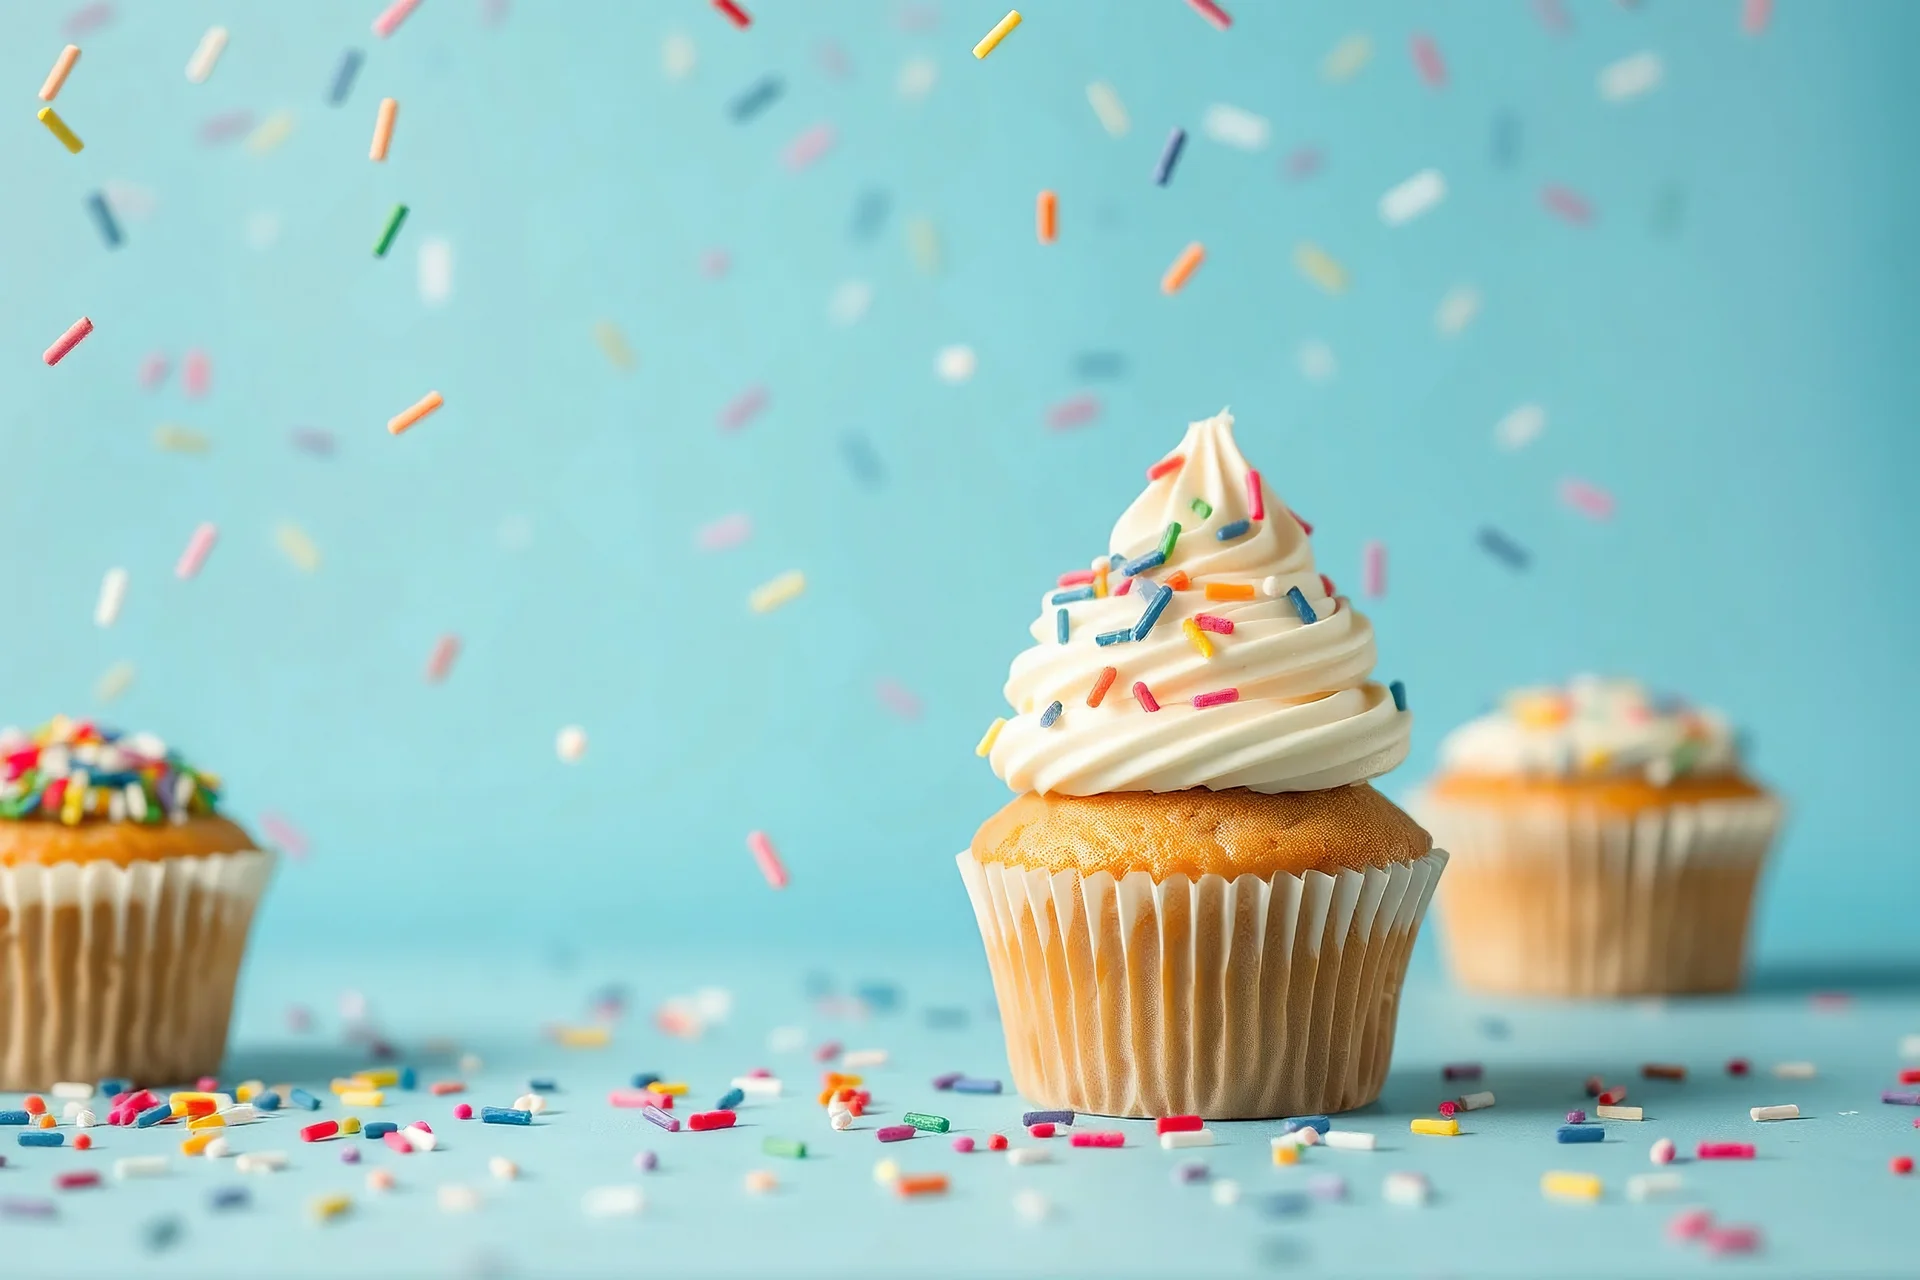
1593 728
1306 718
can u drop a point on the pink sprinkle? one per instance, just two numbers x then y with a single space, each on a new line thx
388 22
727 531
198 547
744 408
74 1181
493 12
1587 499
463 1111
918 17
1567 204
441 660
1126 585
827 1052
1145 695
153 370
634 1098
1553 16
1724 1151
284 836
809 147
423 1126
393 1139
68 341
226 126
1689 1225
1212 12
1303 162
1078 578
1373 569
1426 57
897 698
298 1018
833 60
1209 622
206 1084
760 1073
89 18
963 1144
196 373
313 440
1075 412
1256 497
714 263
1723 1240
763 853
1100 1139
1754 16
350 1155
1448 1108
1219 697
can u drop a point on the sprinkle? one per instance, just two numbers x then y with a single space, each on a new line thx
1232 126
1230 591
1503 548
1724 1151
706 1121
1611 1097
392 229
1344 61
1901 1165
1218 698
767 858
1786 1111
1099 1138
1794 1070
201 64
1143 562
1648 1186
1194 636
771 595
1183 268
1439 1128
1145 696
420 409
993 730
1100 580
1062 626
1079 593
966 1084
383 132
1723 1240
1169 156
1580 1133
1301 607
43 1138
76 1181
1101 684
734 13
1898 1099
929 1123
1046 220
1418 194
1212 12
1166 466
1476 1101
1576 1116
343 77
1202 508
440 661
991 41
1406 1189
1427 60
1348 1140
69 340
1074 411
1317 265
1566 204
1570 1186
62 67
1606 1111
1051 714
1754 16
510 1115
1168 539
895 1132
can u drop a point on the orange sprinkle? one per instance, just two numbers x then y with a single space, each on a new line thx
1046 214
921 1184
1183 268
383 129
1229 591
1100 686
1179 580
426 405
441 1088
1100 581
826 1096
197 1143
1166 466
34 1104
45 1121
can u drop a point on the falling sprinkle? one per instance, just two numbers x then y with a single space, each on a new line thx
113 591
314 441
808 148
1107 106
613 344
1754 16
1373 569
283 835
172 438
1317 362
743 408
1566 204
434 267
1344 61
1302 162
1553 16
870 214
677 57
1457 310
897 698
196 373
862 459
767 858
116 680
1415 196
1317 265
1503 548
1235 127
833 60
225 127
924 243
756 99
956 363
784 589
1075 412
153 371
297 547
570 744
87 18
727 531
1427 60
1505 144
1520 426
917 78
273 131
849 302
714 263
1632 76
440 661
199 547
1589 500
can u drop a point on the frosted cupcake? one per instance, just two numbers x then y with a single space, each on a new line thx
1605 844
124 907
1196 903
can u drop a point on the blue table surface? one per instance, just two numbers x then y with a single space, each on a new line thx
1821 1189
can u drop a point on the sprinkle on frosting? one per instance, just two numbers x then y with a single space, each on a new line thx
72 771
1593 727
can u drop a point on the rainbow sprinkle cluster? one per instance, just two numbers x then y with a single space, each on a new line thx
71 770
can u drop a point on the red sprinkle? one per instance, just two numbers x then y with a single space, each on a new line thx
441 1088
1901 1164
1166 466
1732 1240
398 1143
206 1084
463 1111
1042 1130
1212 12
1099 1139
1690 1225
734 13
1738 1066
701 1121
1427 59
827 1052
1447 1108
74 1181
1304 527
1178 1124
1910 1076
1612 1097
320 1129
1126 585
1145 695
1218 698
1256 500
1594 1085
998 1142
82 1142
34 1104
1724 1151
1326 583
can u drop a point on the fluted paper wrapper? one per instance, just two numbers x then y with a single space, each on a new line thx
127 971
1248 998
1568 900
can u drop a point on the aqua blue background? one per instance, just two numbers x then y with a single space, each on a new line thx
1741 378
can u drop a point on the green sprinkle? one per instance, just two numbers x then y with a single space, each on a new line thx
926 1123
1202 508
792 1148
1685 756
1167 540
393 229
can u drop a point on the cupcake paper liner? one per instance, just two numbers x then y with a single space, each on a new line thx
1559 900
1248 998
109 970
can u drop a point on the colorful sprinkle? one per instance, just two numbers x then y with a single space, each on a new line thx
1155 607
1046 218
1228 532
1051 714
401 421
992 734
1183 268
1218 698
1300 606
1195 637
1101 684
1145 696
767 859
991 41
1169 156
1062 626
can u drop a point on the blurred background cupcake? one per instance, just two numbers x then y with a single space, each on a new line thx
1605 843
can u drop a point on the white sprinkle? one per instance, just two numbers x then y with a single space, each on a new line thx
1186 1138
570 744
139 1166
916 79
1317 362
1348 1139
435 270
1032 1206
530 1102
455 1198
849 302
1293 1139
261 1162
1520 426
1786 1111
1226 1192
1910 1047
422 1139
242 1113
83 1119
1404 1189
784 1040
1421 192
886 1172
956 364
608 1202
758 1086
1620 1113
116 680
503 1168
78 1088
1235 127
1476 1101
1107 105
1630 77
1647 1186
1027 1155
677 57
200 65
864 1058
218 1149
470 1064
1457 310
840 1119
1794 1071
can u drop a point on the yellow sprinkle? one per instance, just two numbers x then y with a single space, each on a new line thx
191 1095
988 43
176 439
677 1089
363 1098
248 1090
377 1077
325 1208
197 1143
1316 265
583 1037
991 736
1440 1128
614 344
70 140
349 1124
297 547
1100 581
1286 1154
273 131
1107 105
771 595
1344 60
117 679
886 1172
1570 1186
341 1084
1197 638
214 1121
924 242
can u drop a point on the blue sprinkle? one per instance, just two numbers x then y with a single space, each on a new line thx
541 1084
755 100
1068 597
343 78
1115 560
1046 1117
161 1233
1398 689
943 1018
883 996
109 229
1155 607
870 213
861 459
1114 637
267 1100
967 1084
1580 1133
1499 545
43 1138
16 1117
113 1085
1051 714
153 1115
1140 564
1061 626
505 1115
409 1078
1301 607
1319 1124
1190 1171
378 1129
1228 532
646 1079
730 1099
230 1198
301 1098
1169 154
1094 365
1284 1204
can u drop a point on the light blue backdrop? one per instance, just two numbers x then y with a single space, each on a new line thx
1728 348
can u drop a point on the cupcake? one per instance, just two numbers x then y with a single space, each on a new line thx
1605 844
124 906
1195 902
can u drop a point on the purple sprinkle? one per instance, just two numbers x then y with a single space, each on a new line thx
947 1081
13 1207
1898 1099
966 1085
1032 1118
1327 1186
895 1132
1190 1171
660 1118
350 1155
647 1161
1460 1071
1576 1116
